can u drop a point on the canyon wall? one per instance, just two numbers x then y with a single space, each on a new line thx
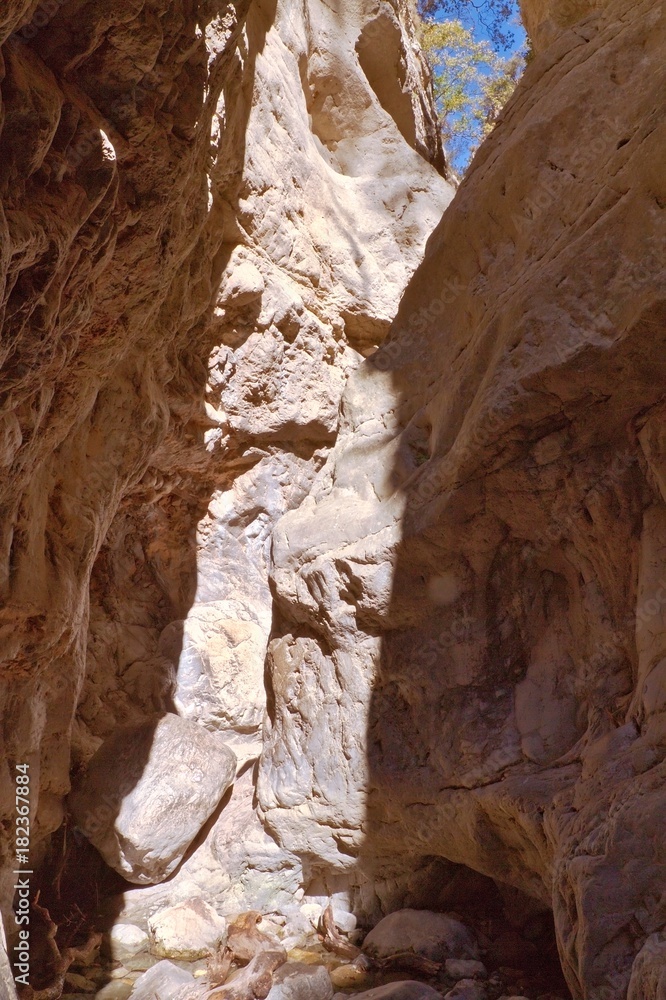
417 590
471 600
210 212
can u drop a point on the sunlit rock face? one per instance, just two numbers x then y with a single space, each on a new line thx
470 603
209 214
546 19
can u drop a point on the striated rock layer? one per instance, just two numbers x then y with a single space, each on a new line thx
468 659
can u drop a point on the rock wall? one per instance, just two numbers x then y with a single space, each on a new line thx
209 213
468 652
419 595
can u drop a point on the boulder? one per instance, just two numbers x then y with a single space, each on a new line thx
140 962
187 931
125 941
434 935
465 968
147 792
164 981
467 989
348 977
408 989
297 981
115 990
344 920
78 983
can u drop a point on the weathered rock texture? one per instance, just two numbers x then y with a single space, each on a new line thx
469 660
209 213
147 793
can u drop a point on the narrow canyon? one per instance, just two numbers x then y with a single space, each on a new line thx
333 508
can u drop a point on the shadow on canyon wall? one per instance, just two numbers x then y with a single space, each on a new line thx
526 362
151 464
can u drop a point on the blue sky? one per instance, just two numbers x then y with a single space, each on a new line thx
459 156
472 20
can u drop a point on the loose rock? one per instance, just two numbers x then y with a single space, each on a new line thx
296 981
115 990
465 968
141 775
187 931
433 935
346 977
245 938
80 983
467 989
408 989
141 961
126 940
164 981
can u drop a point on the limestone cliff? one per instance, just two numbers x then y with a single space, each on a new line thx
209 214
417 590
472 594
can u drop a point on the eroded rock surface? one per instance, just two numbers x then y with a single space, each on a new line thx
209 213
469 654
648 976
428 622
147 793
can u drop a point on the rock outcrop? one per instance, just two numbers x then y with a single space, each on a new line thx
209 213
468 661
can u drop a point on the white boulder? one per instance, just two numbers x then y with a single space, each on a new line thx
148 791
187 931
126 940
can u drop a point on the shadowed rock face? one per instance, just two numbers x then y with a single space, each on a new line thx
470 655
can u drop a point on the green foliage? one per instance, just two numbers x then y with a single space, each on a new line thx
472 83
